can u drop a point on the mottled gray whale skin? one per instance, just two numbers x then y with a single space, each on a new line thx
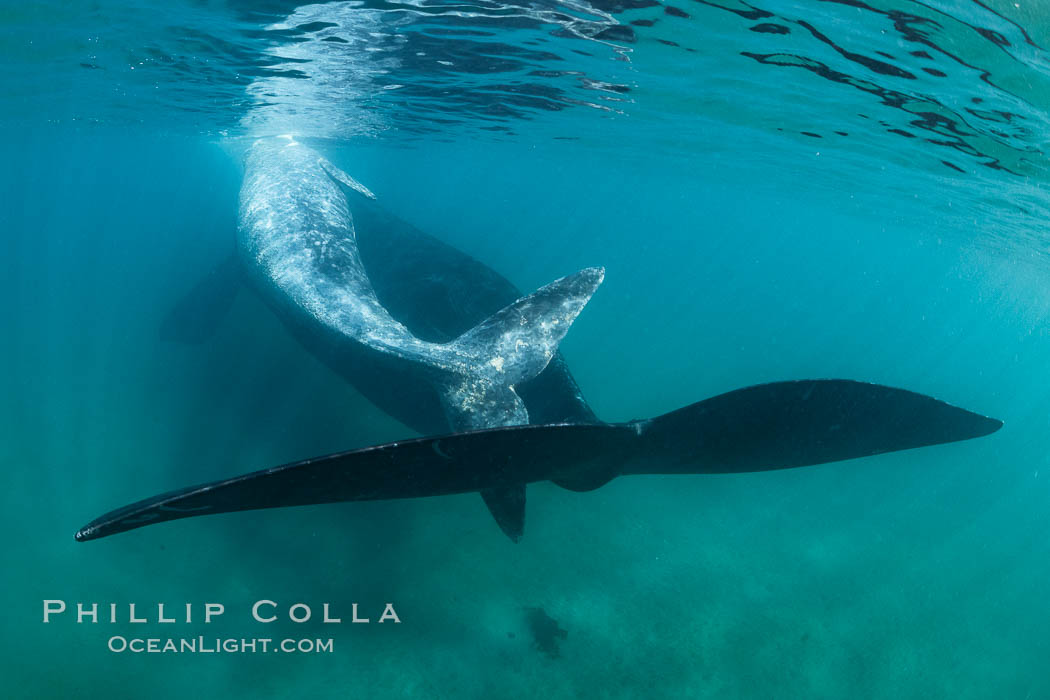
297 238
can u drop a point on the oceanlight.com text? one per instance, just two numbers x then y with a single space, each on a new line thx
217 645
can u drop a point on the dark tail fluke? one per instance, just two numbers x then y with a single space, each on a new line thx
498 460
770 426
800 423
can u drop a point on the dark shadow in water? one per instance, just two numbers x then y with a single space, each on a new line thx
545 631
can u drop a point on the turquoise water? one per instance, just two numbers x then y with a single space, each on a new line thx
788 191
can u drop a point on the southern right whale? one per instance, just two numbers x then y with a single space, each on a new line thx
298 242
419 296
427 289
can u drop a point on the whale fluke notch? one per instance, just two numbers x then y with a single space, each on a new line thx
769 426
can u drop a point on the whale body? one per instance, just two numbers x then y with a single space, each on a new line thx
297 237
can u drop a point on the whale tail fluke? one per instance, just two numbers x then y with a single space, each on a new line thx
799 423
769 426
512 346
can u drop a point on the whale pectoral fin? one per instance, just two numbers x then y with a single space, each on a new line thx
197 315
507 505
340 176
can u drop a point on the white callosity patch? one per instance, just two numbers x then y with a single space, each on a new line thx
297 230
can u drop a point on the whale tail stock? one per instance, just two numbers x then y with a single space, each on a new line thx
769 426
513 345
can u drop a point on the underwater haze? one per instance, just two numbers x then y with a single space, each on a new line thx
777 190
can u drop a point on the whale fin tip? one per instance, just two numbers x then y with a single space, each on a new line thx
507 506
340 176
512 346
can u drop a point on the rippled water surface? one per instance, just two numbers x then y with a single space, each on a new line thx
777 190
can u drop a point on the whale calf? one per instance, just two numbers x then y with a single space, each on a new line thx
297 238
298 247
450 348
297 233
